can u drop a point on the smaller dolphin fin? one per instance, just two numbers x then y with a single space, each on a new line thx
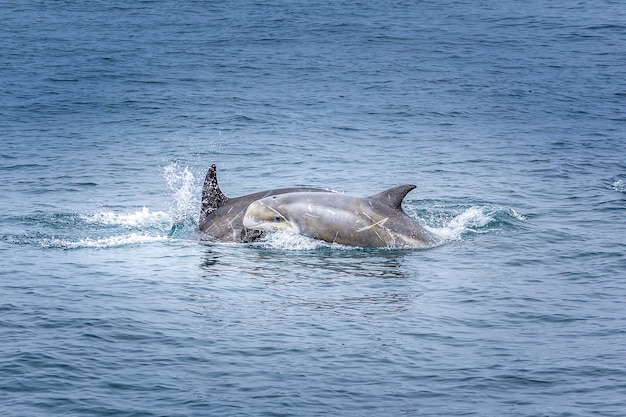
393 197
212 196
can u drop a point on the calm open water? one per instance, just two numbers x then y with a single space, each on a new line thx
509 116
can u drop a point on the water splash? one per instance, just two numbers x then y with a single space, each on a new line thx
453 222
183 185
470 220
183 211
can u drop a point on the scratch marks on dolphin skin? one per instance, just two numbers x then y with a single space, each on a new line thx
379 223
380 237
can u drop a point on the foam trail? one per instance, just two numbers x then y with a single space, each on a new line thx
138 219
101 243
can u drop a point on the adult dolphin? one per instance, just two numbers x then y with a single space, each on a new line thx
374 221
221 217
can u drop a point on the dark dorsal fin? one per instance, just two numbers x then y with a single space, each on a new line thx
393 197
212 196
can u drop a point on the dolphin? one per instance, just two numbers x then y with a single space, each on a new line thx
221 217
370 222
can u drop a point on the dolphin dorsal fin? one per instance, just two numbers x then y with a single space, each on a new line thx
393 197
212 196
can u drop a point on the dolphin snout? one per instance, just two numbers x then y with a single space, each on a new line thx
249 219
250 222
261 215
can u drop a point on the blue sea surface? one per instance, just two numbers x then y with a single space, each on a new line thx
510 117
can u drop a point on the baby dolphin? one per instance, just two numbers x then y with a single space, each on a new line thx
221 217
370 222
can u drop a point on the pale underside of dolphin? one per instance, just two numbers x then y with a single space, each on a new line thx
374 221
221 217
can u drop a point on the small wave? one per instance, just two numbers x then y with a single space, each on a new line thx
516 215
472 219
138 219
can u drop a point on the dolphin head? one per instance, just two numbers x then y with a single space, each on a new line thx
266 214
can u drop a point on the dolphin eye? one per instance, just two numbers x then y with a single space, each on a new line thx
278 219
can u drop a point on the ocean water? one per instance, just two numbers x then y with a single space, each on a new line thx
510 117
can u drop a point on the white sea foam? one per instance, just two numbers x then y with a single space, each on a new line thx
290 241
619 185
518 216
102 243
138 219
471 219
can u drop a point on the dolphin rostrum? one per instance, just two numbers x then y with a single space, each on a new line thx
221 217
374 221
